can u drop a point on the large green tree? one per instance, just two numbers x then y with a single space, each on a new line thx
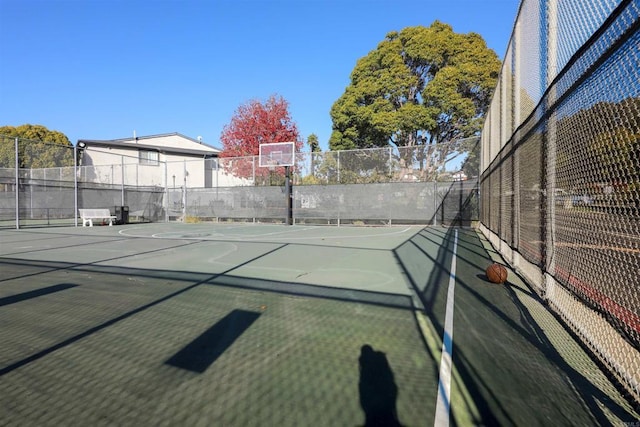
421 86
38 147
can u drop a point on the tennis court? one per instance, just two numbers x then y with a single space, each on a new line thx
254 324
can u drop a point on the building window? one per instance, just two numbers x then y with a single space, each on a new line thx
211 164
148 157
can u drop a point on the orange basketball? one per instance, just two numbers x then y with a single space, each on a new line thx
497 273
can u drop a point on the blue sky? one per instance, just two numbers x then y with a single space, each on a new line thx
98 69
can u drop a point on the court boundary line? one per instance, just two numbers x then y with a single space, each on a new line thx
215 236
443 403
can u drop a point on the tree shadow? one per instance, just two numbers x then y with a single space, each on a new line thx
378 389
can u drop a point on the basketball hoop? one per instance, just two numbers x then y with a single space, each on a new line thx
277 154
280 154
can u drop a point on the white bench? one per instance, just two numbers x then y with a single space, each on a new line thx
88 215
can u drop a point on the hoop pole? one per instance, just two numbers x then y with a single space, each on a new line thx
289 195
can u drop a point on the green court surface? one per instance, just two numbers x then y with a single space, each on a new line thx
272 325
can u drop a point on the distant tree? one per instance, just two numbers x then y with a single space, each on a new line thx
421 86
256 123
471 165
314 147
326 168
38 147
314 144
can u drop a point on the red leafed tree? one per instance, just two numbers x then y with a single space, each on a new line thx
252 124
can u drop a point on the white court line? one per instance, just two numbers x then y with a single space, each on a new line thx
222 236
257 236
275 233
443 404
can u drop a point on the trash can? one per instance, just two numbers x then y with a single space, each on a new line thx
122 214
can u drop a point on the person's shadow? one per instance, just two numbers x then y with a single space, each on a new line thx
378 390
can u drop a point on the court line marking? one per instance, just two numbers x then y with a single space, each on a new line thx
351 237
443 404
221 236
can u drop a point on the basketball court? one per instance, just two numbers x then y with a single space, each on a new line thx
260 324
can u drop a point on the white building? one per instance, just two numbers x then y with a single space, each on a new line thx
168 160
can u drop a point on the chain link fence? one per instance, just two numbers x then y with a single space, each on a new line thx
46 186
452 161
408 185
37 182
560 187
450 203
431 184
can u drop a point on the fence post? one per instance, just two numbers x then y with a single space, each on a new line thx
75 185
184 192
122 183
166 192
30 192
549 159
435 202
17 187
516 120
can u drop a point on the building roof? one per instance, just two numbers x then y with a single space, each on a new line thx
146 143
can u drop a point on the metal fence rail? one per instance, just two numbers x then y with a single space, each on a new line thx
561 169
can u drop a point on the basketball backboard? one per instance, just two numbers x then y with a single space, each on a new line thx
277 154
